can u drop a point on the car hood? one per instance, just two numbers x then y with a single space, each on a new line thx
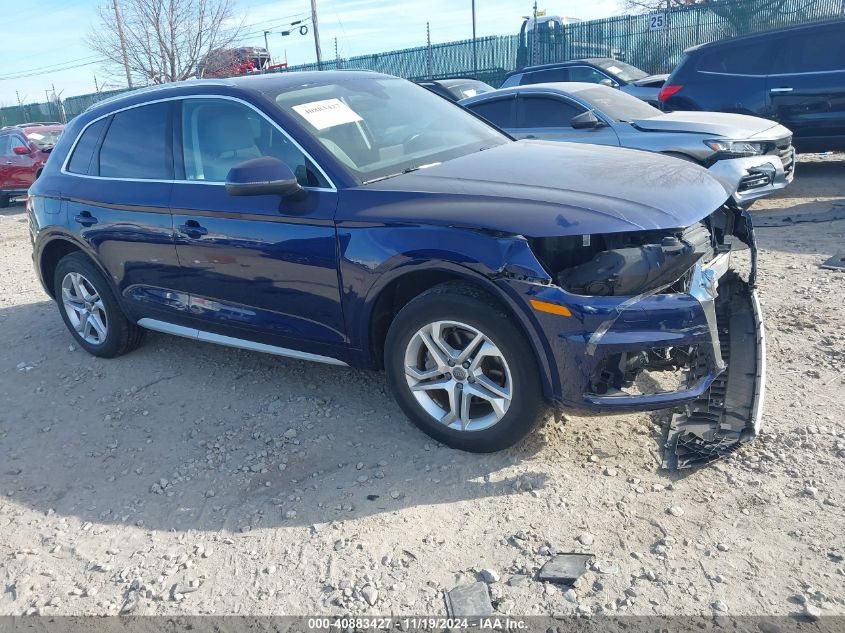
721 124
652 81
544 189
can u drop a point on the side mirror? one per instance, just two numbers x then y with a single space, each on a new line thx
264 176
585 120
22 151
609 83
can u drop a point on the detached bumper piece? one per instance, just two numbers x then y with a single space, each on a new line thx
728 414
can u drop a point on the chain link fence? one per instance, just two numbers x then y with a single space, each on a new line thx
654 42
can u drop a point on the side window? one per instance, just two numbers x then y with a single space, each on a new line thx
813 51
4 145
546 112
15 142
586 74
218 134
136 144
747 59
80 160
547 76
498 111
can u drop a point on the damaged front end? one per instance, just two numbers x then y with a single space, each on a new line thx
667 303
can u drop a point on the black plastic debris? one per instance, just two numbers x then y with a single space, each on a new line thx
468 601
727 415
837 262
565 568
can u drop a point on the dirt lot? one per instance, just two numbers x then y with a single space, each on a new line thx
188 478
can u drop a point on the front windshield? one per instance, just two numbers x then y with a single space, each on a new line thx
618 105
44 138
382 127
621 70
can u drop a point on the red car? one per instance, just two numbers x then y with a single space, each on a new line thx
23 151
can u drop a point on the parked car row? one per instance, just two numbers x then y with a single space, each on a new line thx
24 150
750 156
353 218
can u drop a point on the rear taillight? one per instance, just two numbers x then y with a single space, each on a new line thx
667 91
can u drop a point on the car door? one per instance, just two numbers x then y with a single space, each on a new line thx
261 268
116 186
807 87
548 117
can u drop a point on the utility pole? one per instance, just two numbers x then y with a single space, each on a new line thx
316 34
429 61
474 45
336 56
534 37
59 107
96 86
119 21
267 46
668 34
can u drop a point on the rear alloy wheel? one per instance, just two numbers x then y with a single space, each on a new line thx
90 310
461 371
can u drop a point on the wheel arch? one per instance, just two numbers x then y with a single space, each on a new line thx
51 253
398 289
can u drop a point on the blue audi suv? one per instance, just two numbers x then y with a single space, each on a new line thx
358 219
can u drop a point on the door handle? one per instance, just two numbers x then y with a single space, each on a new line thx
781 89
8 162
85 219
192 229
529 136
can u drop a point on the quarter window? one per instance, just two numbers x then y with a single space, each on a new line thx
136 144
747 59
80 160
218 134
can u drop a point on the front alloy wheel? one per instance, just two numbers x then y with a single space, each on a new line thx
462 370
458 376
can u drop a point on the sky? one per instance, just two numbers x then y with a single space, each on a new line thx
48 38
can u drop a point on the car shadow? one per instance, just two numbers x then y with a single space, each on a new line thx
16 207
184 435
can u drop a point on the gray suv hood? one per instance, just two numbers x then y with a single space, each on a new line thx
544 189
717 124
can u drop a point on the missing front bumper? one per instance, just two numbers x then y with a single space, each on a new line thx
729 413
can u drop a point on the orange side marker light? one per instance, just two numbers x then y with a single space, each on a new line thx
551 308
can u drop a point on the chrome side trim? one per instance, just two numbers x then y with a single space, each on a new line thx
228 341
64 170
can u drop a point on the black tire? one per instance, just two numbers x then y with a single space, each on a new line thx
4 200
122 335
467 304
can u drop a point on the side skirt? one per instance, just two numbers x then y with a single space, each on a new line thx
228 341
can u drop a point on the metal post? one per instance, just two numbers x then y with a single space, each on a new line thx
534 37
668 34
316 34
474 43
20 105
119 22
267 46
429 61
59 107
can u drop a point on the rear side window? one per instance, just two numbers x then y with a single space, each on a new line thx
80 160
546 112
812 51
746 59
546 76
498 111
136 144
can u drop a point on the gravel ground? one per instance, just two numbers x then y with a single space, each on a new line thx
191 479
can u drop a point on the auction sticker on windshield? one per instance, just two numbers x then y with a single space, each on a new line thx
327 113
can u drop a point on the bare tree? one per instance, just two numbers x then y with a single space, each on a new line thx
165 40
